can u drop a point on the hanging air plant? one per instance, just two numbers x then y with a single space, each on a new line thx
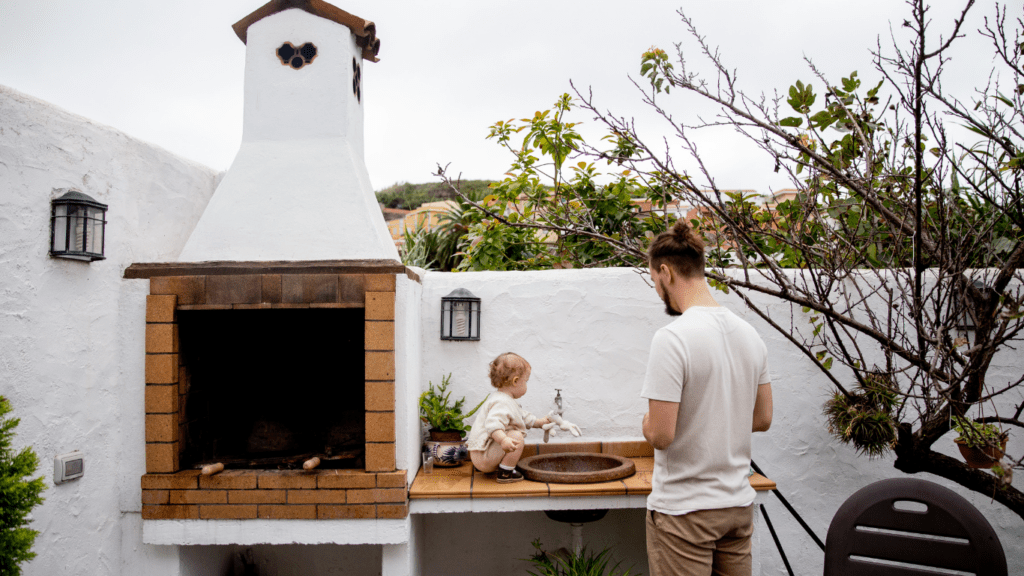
865 418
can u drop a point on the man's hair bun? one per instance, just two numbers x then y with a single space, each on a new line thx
680 247
682 232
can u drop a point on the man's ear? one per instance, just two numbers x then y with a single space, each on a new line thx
667 271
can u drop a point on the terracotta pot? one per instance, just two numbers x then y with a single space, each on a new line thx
447 436
981 457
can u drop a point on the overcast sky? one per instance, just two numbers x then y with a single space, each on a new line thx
171 72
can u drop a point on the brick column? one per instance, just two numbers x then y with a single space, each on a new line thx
162 446
380 373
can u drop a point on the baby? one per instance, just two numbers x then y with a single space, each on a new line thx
496 439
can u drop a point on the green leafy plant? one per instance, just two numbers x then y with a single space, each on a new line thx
582 563
17 497
442 247
549 212
977 434
440 413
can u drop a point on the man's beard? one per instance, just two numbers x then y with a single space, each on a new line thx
668 305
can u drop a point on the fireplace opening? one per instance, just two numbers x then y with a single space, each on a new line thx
272 388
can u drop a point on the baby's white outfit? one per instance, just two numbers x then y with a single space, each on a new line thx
499 412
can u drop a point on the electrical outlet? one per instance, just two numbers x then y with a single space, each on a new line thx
67 467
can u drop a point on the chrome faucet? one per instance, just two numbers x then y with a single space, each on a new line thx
558 400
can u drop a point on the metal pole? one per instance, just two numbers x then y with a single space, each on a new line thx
791 510
776 538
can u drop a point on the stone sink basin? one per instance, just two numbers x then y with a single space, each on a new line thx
576 467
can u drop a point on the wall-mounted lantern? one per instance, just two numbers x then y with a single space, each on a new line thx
460 316
77 227
966 320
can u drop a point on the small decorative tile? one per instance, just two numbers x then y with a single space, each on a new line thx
639 483
485 486
644 463
454 482
629 449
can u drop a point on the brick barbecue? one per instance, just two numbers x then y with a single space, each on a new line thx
271 342
368 486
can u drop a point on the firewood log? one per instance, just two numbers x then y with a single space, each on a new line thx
211 469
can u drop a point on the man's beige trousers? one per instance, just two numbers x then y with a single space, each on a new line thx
700 543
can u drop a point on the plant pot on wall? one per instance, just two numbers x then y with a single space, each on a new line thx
447 448
981 457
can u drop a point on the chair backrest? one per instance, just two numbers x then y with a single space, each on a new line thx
907 526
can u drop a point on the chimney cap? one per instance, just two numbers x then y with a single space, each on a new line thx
365 30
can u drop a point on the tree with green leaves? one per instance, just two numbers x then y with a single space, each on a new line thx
898 262
18 496
547 214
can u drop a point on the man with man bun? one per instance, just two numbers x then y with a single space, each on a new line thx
708 388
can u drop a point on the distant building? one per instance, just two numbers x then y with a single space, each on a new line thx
426 217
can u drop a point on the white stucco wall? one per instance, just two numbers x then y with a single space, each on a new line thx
408 344
588 332
71 333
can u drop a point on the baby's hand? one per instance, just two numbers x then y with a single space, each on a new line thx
509 444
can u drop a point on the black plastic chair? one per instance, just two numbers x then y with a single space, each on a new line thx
907 526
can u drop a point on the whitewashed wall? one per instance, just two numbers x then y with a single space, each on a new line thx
72 333
588 332
408 344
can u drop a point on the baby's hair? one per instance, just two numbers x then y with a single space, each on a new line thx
679 247
506 367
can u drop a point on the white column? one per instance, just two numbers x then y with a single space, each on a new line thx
403 559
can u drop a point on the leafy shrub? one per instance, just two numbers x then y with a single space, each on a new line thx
582 563
17 497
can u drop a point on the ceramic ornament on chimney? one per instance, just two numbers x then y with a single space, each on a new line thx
298 189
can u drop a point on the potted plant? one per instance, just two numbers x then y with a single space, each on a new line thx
981 445
447 423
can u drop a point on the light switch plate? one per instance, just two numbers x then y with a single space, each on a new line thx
67 467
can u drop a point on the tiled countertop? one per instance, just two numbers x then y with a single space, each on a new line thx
463 483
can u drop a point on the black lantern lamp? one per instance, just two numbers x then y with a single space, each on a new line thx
460 316
966 321
77 226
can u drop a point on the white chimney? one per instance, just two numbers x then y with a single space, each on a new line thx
298 188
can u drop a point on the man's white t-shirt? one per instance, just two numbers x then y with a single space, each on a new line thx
711 362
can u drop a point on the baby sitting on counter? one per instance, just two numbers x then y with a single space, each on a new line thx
496 440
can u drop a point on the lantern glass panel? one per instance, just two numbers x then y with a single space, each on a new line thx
461 320
446 319
60 228
474 319
77 216
94 231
